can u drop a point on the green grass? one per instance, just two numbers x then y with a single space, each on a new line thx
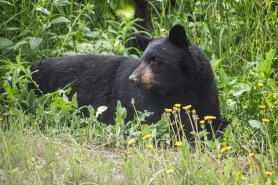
44 140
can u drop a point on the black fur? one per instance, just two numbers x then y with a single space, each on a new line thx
171 70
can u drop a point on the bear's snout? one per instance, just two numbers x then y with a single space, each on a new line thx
133 79
143 77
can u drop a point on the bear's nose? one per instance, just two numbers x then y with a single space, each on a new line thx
133 79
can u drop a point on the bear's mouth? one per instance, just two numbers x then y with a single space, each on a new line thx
145 85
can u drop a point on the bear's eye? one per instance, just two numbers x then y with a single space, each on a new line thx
153 61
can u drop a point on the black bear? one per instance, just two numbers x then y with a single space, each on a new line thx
171 70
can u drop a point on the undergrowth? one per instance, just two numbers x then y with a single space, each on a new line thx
46 140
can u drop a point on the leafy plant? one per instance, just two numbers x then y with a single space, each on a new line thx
46 140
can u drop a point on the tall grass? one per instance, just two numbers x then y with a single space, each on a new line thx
44 140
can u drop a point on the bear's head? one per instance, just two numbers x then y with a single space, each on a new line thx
161 64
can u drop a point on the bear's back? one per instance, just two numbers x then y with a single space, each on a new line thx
80 71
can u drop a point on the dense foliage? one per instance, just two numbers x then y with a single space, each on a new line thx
44 139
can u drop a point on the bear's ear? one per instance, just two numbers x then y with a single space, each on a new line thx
178 36
142 41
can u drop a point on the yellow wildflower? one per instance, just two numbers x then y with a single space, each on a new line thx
178 143
251 154
168 110
146 136
202 122
169 171
149 146
187 107
175 109
128 150
1 119
228 148
209 117
177 105
265 120
193 112
268 173
33 159
260 85
131 141
262 106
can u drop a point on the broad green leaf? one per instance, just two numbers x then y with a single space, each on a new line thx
266 65
35 42
61 2
8 89
230 103
59 20
223 77
100 110
4 42
43 10
259 61
270 55
20 43
227 135
84 29
145 129
65 98
240 88
91 111
107 45
120 110
98 44
215 62
255 123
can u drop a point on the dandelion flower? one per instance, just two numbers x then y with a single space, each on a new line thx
193 112
251 154
209 118
1 119
262 107
177 105
175 109
149 146
260 85
265 120
169 171
146 136
225 149
128 150
33 159
168 110
268 173
131 141
187 107
178 143
202 122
